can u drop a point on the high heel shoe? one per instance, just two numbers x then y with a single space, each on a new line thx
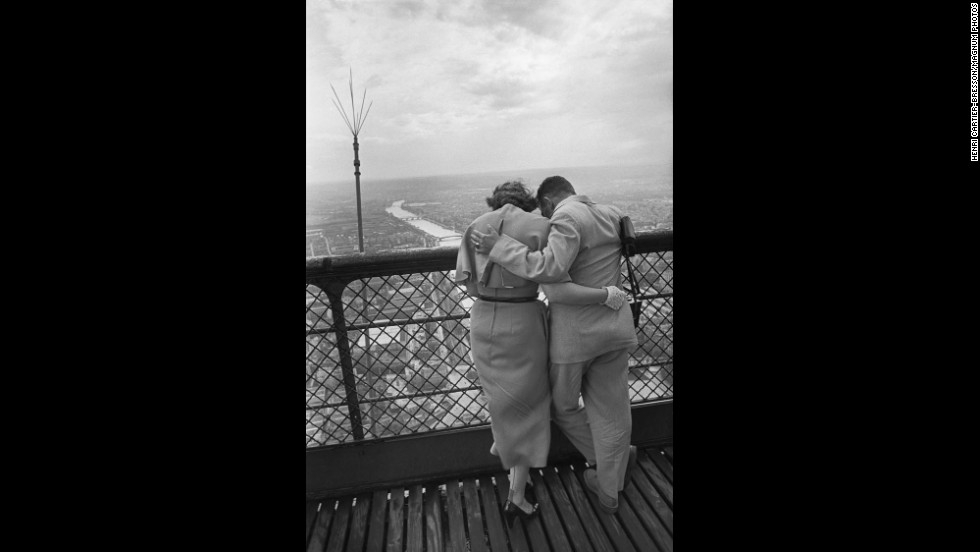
529 495
512 512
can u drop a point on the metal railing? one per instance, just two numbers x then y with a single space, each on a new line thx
387 343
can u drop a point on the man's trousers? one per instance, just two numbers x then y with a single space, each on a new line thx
601 429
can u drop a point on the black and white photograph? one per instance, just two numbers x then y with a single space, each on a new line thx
489 218
488 193
489 275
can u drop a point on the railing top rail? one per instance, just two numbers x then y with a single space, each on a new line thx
434 259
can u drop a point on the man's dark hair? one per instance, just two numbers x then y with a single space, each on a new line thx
554 185
515 193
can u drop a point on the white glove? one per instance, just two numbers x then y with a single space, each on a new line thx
615 297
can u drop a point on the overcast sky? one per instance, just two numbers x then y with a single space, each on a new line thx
464 86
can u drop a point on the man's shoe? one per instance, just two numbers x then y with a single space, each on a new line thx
630 464
607 505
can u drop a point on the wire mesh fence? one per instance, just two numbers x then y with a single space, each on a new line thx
388 354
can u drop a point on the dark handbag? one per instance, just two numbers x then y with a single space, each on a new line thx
627 237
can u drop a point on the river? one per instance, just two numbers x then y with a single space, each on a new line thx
445 235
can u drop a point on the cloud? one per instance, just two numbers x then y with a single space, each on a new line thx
544 17
501 92
458 74
408 8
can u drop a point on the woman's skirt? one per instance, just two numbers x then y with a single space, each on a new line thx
509 342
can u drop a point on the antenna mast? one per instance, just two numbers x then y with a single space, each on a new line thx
354 124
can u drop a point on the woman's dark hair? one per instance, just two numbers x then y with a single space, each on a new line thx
515 193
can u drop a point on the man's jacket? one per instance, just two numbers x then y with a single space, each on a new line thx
584 243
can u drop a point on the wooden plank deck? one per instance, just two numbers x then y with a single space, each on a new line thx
467 514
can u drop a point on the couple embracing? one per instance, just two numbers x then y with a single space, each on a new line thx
534 365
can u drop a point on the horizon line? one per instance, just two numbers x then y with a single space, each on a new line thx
326 182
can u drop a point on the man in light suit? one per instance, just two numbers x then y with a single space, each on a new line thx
589 344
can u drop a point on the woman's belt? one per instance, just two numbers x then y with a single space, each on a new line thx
509 299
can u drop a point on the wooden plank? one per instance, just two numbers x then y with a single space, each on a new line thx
311 510
433 519
535 533
535 527
338 529
662 463
454 509
359 522
669 453
633 527
414 537
665 489
396 520
647 518
548 513
646 489
617 535
474 516
518 540
493 515
573 527
376 521
320 530
590 523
